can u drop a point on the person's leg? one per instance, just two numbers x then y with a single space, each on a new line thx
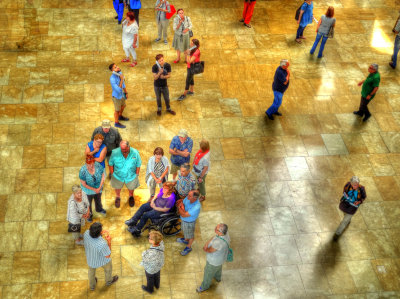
363 105
218 274
249 12
191 87
165 92
120 12
302 32
97 202
321 48
165 29
117 109
133 53
178 55
115 4
92 278
139 213
345 222
108 273
276 104
367 114
157 279
317 39
151 214
136 13
150 282
90 199
299 32
209 272
160 28
202 187
395 50
157 91
246 5
152 187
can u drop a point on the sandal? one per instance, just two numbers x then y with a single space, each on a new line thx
125 60
176 61
133 64
298 41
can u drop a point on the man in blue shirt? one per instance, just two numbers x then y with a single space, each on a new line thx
279 86
189 209
180 149
119 94
124 166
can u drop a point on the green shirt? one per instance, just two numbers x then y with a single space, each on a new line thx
369 84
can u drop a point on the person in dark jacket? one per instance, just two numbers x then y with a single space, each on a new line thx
353 196
279 86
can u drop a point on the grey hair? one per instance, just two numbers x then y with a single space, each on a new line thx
375 66
355 179
283 62
196 194
223 229
76 188
186 166
126 142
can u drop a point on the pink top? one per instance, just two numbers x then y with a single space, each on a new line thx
197 59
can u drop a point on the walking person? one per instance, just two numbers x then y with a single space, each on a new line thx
182 25
92 176
162 8
157 170
353 196
201 166
248 12
135 6
192 56
78 211
130 38
305 18
326 22
369 88
153 261
217 249
98 254
279 86
396 48
119 9
161 72
189 209
119 94
180 149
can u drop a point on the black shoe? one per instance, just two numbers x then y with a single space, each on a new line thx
366 118
278 113
131 201
144 288
123 118
130 222
104 212
181 98
190 93
335 237
116 18
392 65
357 113
159 112
241 20
269 116
135 232
247 25
119 125
90 219
119 22
171 112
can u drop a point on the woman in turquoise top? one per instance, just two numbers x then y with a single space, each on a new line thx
305 18
92 181
97 149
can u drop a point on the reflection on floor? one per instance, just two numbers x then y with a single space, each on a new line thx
275 183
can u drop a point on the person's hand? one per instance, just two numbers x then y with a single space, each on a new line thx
152 204
368 97
298 22
200 180
95 150
186 30
98 190
134 46
158 181
360 83
181 20
205 247
357 202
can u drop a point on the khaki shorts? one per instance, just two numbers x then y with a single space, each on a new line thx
132 185
118 103
174 168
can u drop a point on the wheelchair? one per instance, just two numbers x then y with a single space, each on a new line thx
169 224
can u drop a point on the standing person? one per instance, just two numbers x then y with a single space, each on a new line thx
353 196
98 254
189 209
157 170
112 138
180 149
130 38
135 6
153 261
124 166
162 7
182 26
97 149
279 86
161 72
192 56
324 25
396 48
91 176
78 211
185 182
119 94
248 12
305 18
119 9
217 249
369 88
201 166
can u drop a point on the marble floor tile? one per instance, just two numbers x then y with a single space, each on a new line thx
364 276
26 265
289 281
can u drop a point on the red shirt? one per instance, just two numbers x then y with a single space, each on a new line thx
197 59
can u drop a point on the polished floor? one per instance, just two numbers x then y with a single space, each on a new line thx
275 183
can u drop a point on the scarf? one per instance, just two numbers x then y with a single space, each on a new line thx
200 154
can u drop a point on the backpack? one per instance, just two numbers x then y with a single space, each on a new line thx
297 15
229 257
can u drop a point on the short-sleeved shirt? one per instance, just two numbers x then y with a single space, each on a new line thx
176 143
196 56
192 208
91 180
185 184
111 139
326 24
369 84
218 257
96 250
307 16
279 79
397 28
204 161
161 82
116 90
125 168
167 202
97 155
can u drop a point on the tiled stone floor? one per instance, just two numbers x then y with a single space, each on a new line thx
276 184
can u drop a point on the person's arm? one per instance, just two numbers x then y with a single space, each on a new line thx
210 249
101 183
172 150
185 153
138 164
360 83
319 24
168 10
158 74
205 168
134 45
168 75
207 243
164 173
114 84
183 212
102 155
111 164
372 93
88 152
87 186
300 15
164 210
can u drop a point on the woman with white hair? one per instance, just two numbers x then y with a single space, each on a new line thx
78 211
353 196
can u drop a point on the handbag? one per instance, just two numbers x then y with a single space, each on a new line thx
168 15
74 228
331 32
190 33
135 4
229 257
197 68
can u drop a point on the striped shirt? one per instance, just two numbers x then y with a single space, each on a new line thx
77 209
153 258
96 250
158 169
185 184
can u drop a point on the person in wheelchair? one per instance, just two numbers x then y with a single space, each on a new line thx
162 203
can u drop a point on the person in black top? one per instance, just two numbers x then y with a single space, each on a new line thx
279 86
161 72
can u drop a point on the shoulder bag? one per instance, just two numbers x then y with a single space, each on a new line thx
229 257
197 68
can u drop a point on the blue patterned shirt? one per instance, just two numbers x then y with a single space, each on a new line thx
96 250
185 184
92 180
177 144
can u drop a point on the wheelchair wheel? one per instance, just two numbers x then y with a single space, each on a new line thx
171 226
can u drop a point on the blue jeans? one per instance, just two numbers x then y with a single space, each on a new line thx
119 9
321 48
396 50
300 31
276 104
144 213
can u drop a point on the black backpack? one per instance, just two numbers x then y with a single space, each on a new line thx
296 17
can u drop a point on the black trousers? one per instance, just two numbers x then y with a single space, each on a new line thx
165 92
153 280
189 79
97 202
136 13
363 110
